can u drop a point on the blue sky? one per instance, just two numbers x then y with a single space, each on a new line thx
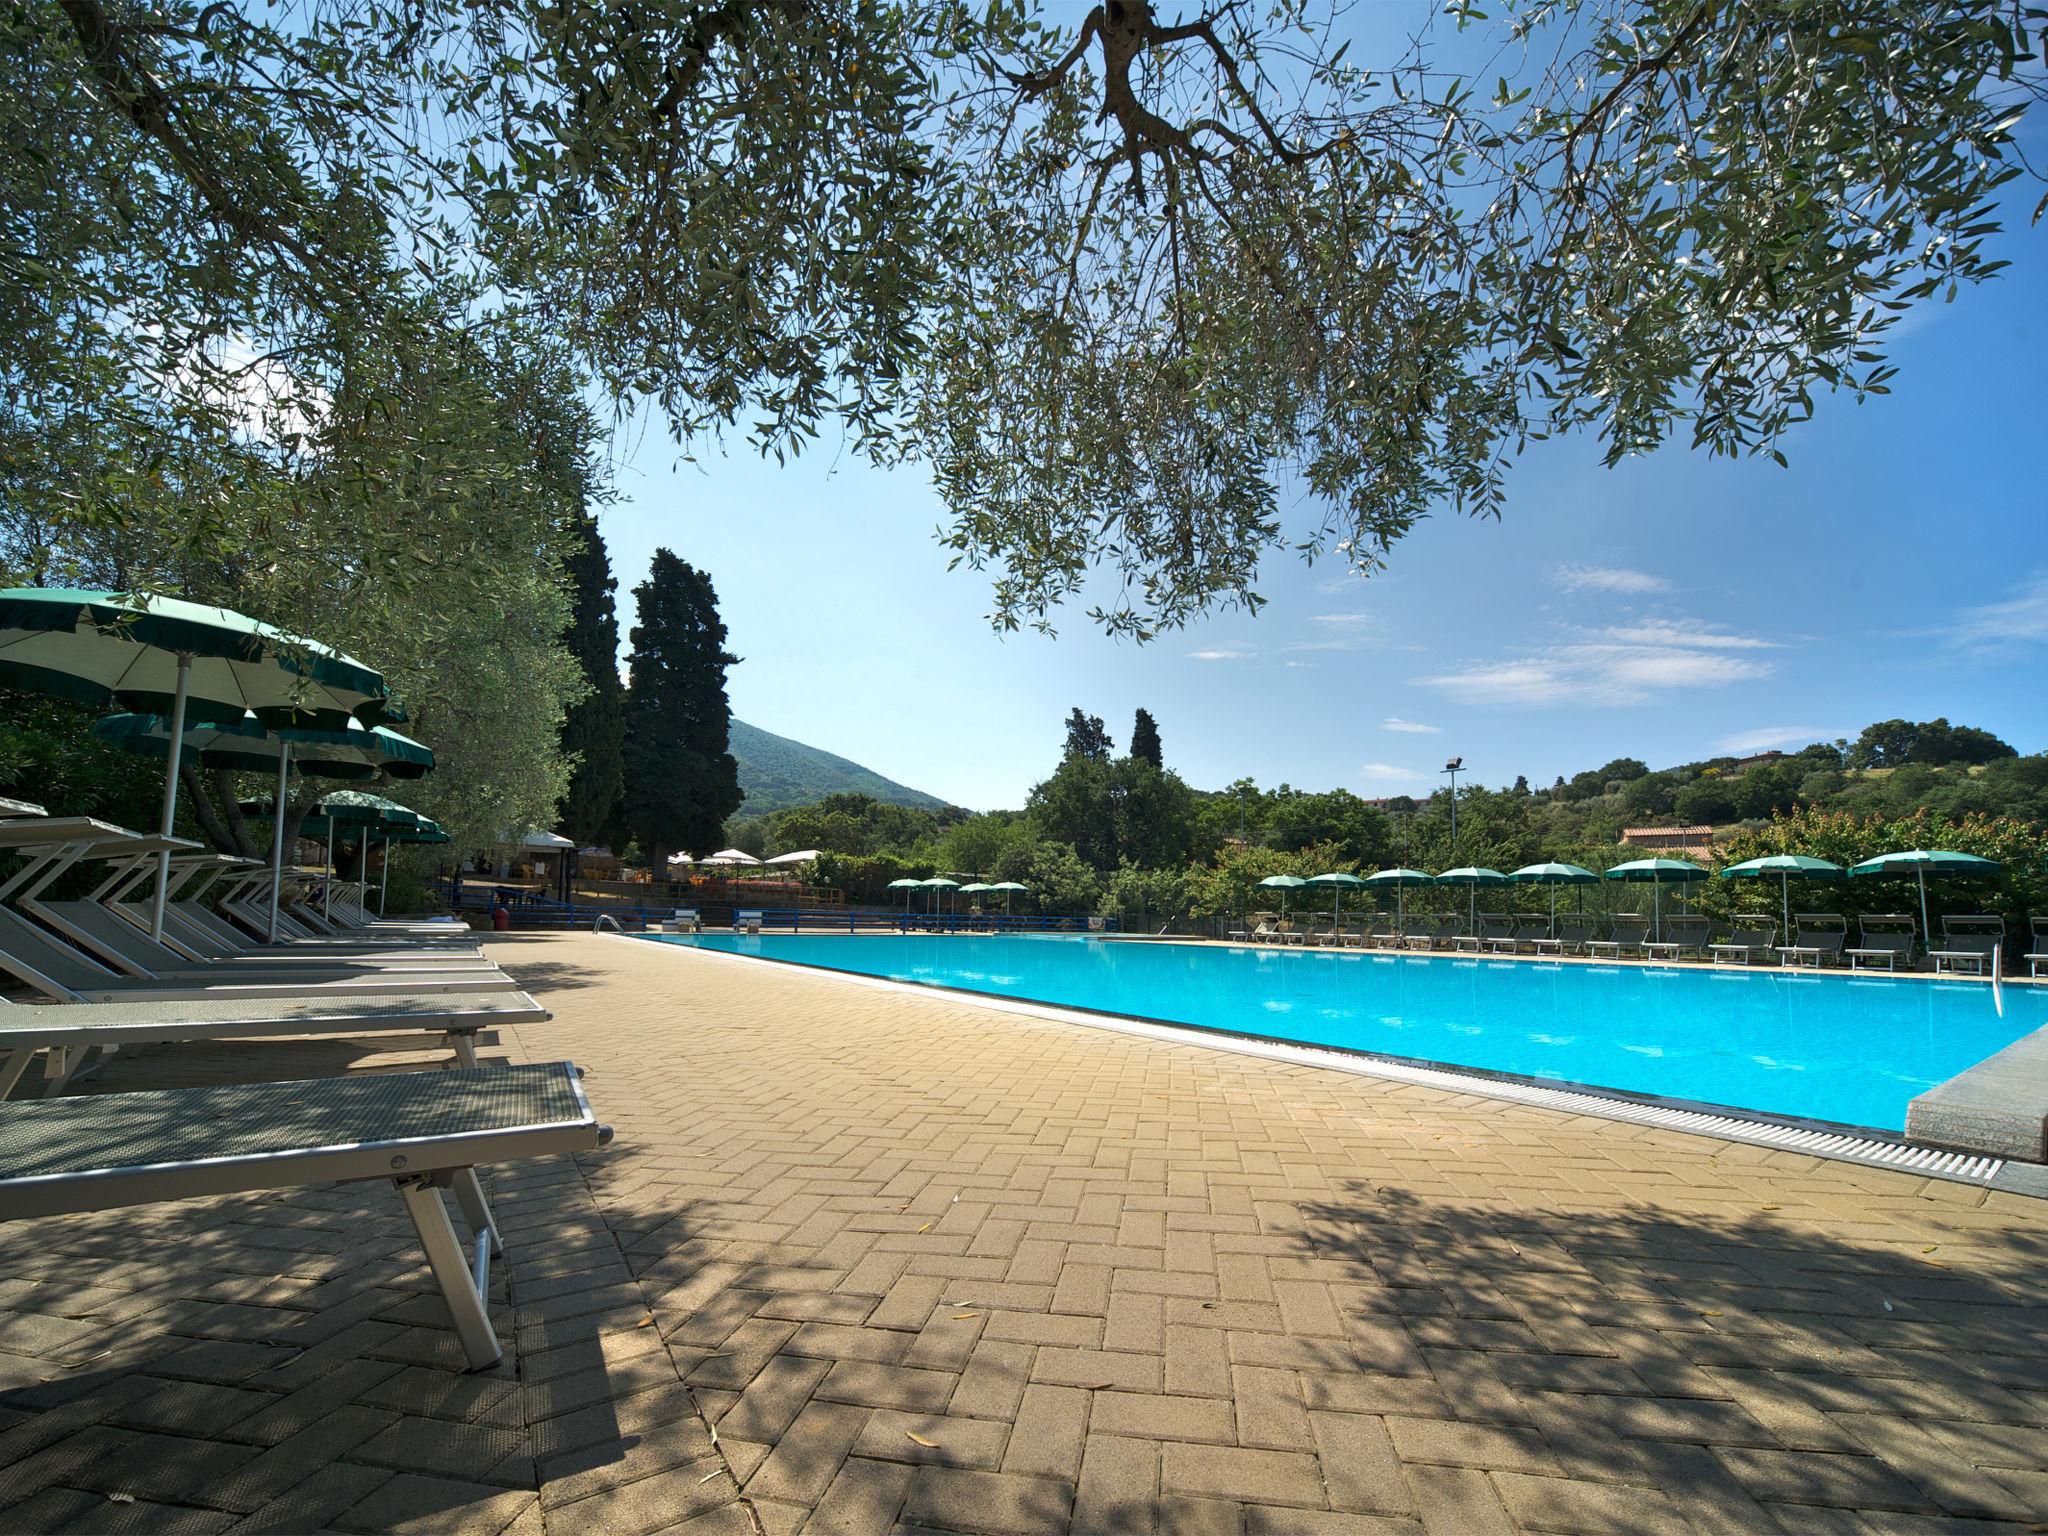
1669 609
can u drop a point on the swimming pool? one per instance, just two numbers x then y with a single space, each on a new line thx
1848 1049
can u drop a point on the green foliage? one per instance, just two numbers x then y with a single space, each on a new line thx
1933 743
681 782
1117 278
1061 881
48 755
594 732
864 878
1144 897
1230 886
1114 811
2019 890
779 774
1145 744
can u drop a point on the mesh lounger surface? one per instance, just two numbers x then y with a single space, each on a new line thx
425 1131
80 1028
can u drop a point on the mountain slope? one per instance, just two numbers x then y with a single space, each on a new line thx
778 773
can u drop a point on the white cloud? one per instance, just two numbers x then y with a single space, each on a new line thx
1742 743
1631 665
1608 578
1410 727
1346 620
1689 633
1391 772
1222 653
2021 619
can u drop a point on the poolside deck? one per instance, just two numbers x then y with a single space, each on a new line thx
865 1261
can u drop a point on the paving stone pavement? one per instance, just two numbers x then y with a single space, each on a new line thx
862 1261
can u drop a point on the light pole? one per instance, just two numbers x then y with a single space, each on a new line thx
1452 768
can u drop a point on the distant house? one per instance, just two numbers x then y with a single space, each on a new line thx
1755 758
1697 842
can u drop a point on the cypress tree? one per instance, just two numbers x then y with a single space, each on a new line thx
594 730
1145 739
681 781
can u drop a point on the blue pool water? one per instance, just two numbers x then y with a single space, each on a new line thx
1851 1049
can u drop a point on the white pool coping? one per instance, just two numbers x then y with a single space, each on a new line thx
1870 1147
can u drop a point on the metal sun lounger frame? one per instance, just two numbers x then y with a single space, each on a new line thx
1749 935
1977 941
1699 927
72 1032
191 929
1885 938
2038 926
128 949
1808 926
1617 940
1491 926
1573 935
371 1126
1531 928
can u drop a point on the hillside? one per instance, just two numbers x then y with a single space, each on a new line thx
778 773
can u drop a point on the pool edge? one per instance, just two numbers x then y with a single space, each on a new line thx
1869 1146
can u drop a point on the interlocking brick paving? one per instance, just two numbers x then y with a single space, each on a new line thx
866 1261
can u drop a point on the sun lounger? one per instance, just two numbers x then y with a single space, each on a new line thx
1885 940
2038 957
1449 929
1417 931
9 809
1491 930
1750 936
1968 941
424 1131
72 1032
1530 927
1683 935
1384 932
59 971
1571 938
1627 932
1818 939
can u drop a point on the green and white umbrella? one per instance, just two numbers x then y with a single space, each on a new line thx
1919 862
341 807
937 885
1472 876
906 887
142 652
1337 881
1658 873
357 752
1283 884
163 655
1553 875
1009 888
1400 880
1787 867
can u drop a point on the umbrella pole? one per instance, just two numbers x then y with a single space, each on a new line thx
384 876
284 768
1926 929
163 857
327 890
1657 909
1785 889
